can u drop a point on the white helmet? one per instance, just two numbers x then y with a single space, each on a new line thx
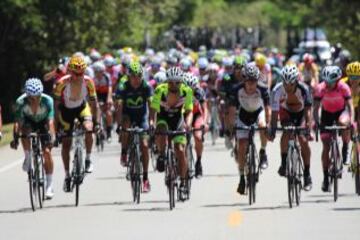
99 66
160 77
174 74
33 87
290 74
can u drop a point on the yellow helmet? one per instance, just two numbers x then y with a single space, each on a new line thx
353 69
260 59
77 64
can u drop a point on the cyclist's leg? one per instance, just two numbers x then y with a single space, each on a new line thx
25 128
285 120
261 121
144 147
126 123
242 136
344 120
179 143
198 122
160 140
86 117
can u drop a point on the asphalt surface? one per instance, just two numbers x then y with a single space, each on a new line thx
215 210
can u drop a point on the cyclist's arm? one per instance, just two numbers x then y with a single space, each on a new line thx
316 110
308 117
269 79
204 106
350 106
95 110
109 96
315 78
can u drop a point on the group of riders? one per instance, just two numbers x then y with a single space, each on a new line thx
177 90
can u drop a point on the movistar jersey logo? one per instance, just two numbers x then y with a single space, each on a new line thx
135 102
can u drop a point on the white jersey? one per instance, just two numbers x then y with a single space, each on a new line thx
299 100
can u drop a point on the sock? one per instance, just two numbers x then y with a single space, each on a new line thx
27 154
88 155
198 161
326 174
145 176
283 159
48 180
307 170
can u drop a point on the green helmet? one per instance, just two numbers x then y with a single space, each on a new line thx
135 68
240 61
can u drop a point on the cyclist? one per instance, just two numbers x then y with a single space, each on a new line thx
35 113
353 79
309 71
265 69
252 101
133 110
203 64
172 105
227 111
200 118
334 97
292 100
75 97
0 124
104 90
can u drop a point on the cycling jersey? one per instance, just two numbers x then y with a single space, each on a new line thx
355 96
308 73
332 100
172 116
62 92
45 111
198 99
102 85
294 102
250 105
135 100
227 86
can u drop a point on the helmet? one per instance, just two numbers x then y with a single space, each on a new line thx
191 80
331 74
160 77
308 58
33 87
203 63
149 52
171 59
95 55
126 59
109 61
77 64
227 62
260 59
156 62
250 72
185 63
174 74
353 69
213 67
240 61
290 74
135 68
98 66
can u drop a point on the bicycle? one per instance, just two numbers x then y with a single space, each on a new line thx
171 168
134 168
355 163
36 175
294 164
77 174
190 158
336 165
214 121
101 135
252 161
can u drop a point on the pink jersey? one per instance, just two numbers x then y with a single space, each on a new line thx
333 100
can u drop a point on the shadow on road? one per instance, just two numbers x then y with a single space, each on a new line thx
265 208
346 209
220 175
21 210
225 205
157 209
111 178
329 195
106 204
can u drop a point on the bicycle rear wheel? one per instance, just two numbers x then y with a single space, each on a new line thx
290 177
357 169
78 174
252 175
298 173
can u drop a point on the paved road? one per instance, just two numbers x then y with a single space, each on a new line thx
215 210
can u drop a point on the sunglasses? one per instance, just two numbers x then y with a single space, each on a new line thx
354 78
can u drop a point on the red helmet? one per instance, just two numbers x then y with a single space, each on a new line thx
308 58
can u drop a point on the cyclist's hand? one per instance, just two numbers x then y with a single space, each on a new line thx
96 128
0 135
206 127
187 128
271 133
14 143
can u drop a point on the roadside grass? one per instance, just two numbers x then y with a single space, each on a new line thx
7 134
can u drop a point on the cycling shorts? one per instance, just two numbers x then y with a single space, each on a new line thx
68 115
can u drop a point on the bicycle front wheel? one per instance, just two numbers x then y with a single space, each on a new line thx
298 173
290 176
39 178
77 178
356 167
